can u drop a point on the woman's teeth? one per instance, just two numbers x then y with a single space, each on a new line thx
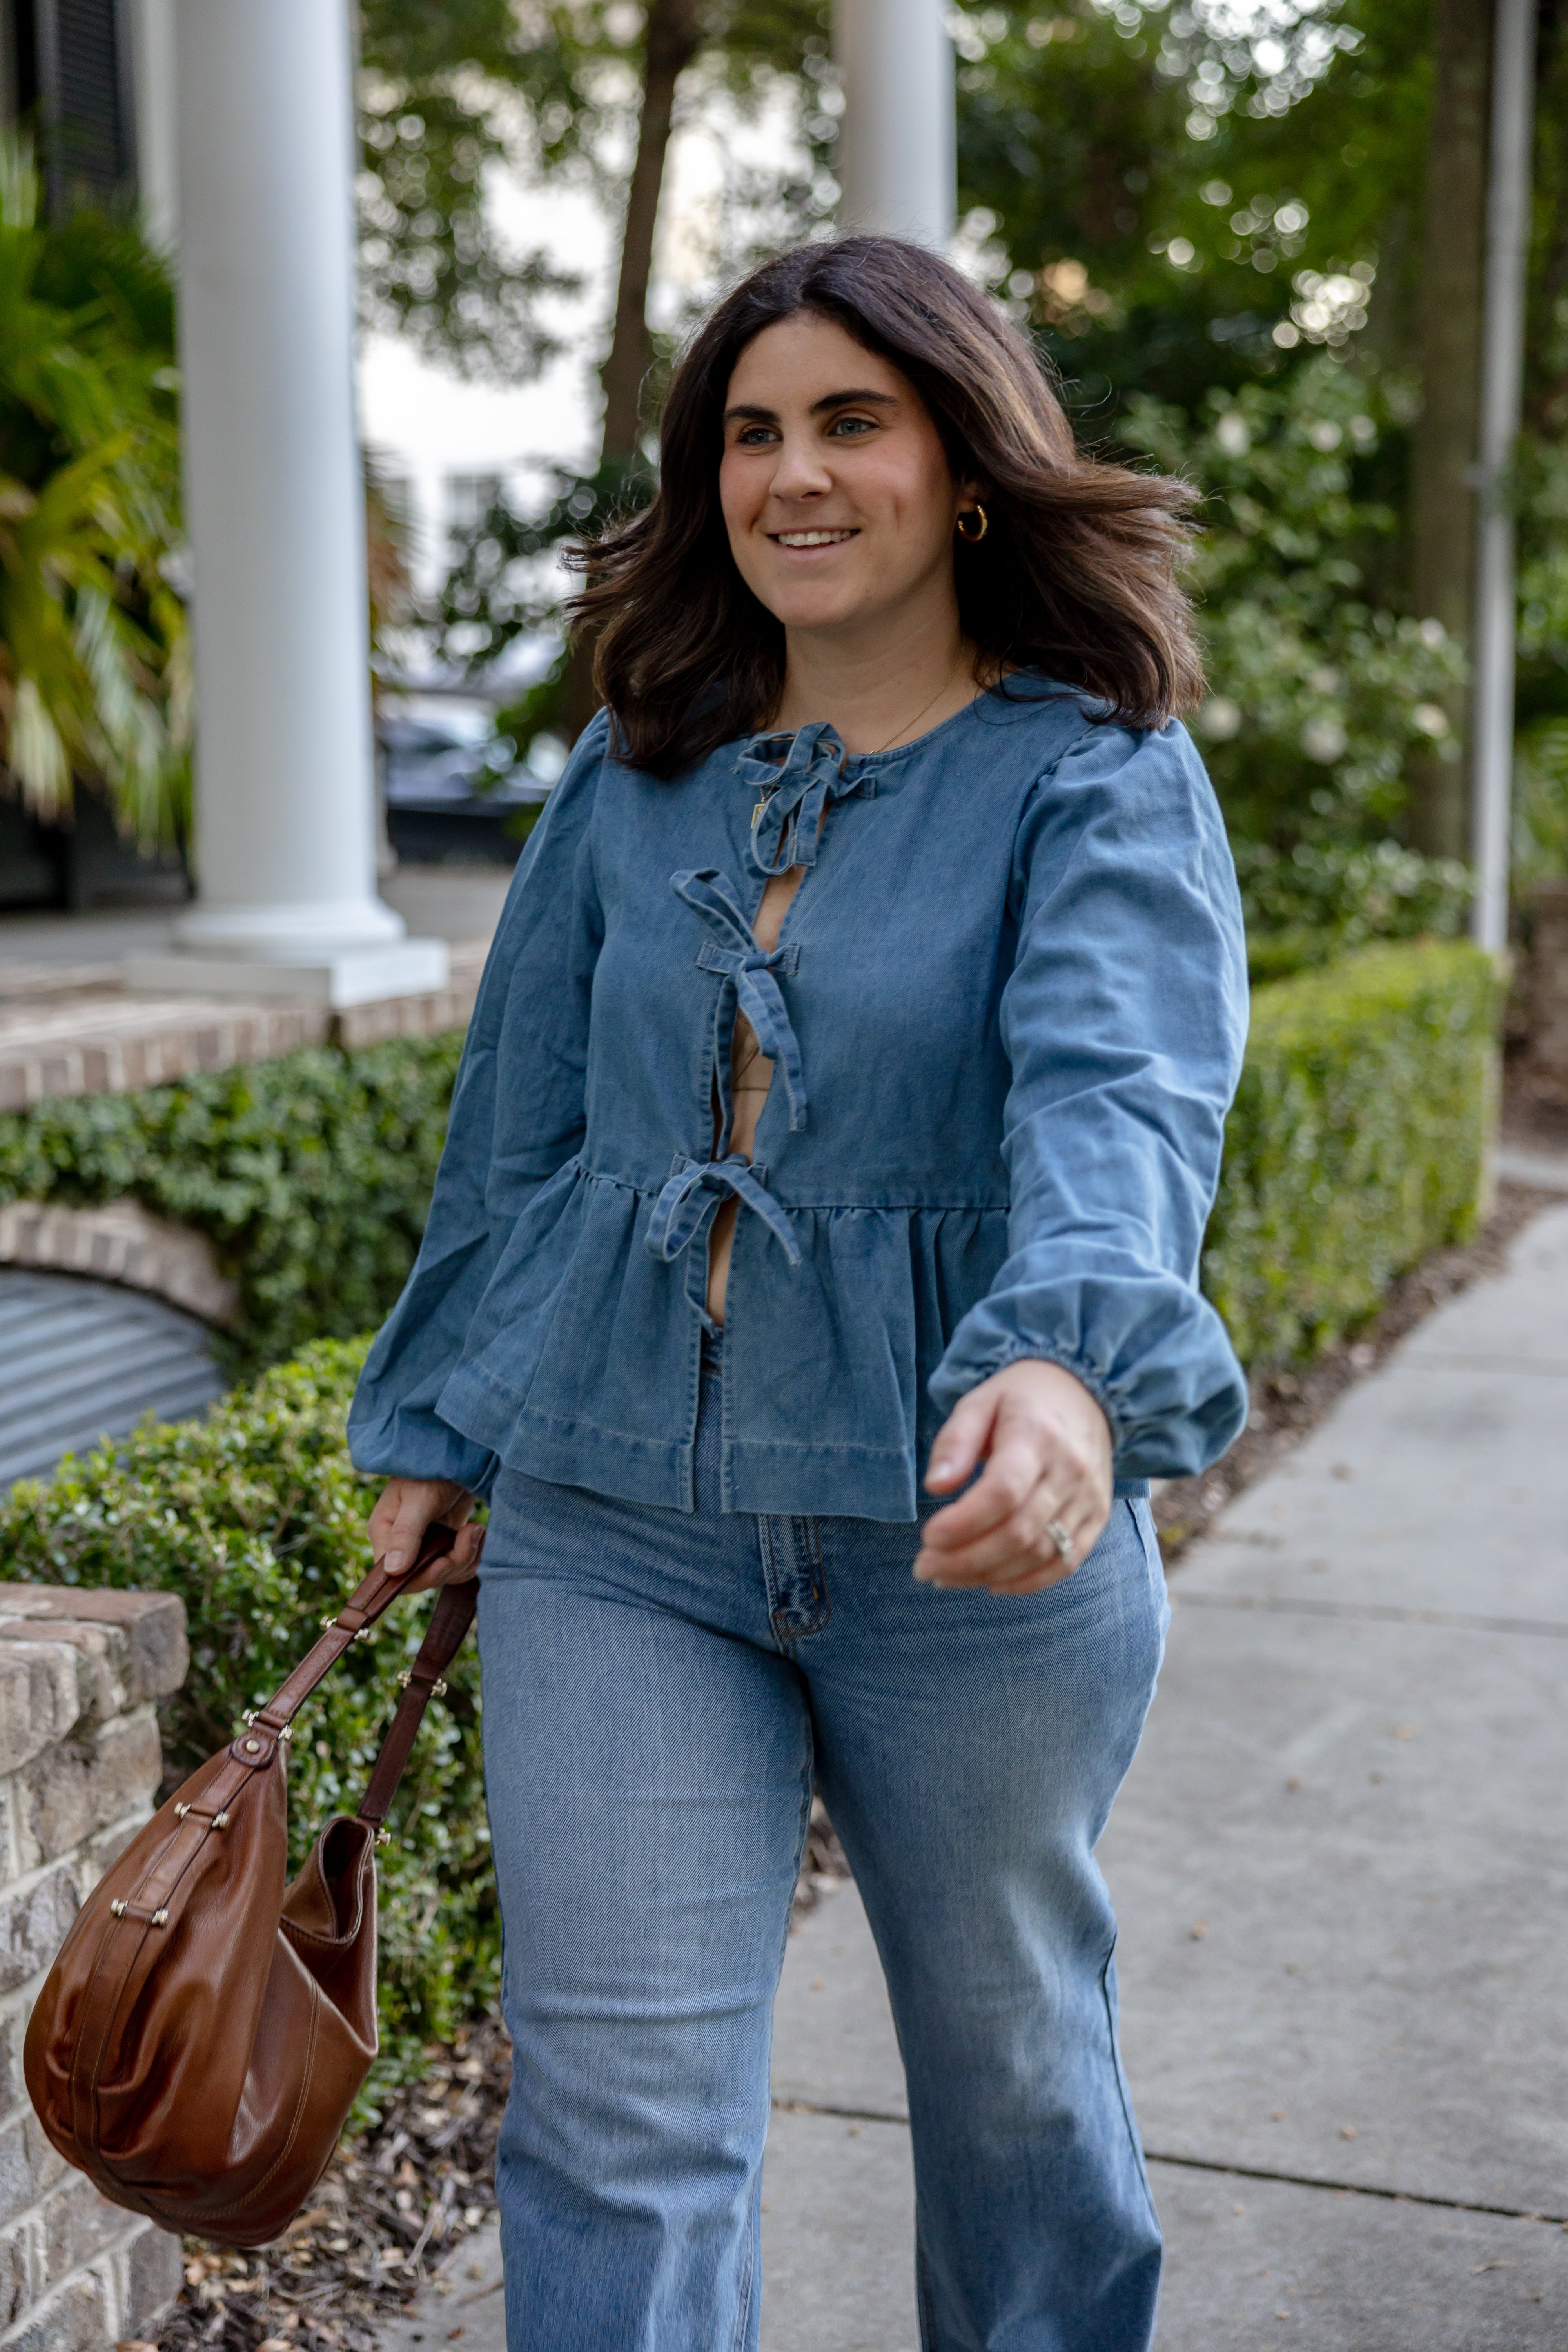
812 538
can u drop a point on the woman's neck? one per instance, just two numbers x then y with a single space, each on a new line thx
881 694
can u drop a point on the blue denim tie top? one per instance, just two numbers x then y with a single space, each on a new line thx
1005 1015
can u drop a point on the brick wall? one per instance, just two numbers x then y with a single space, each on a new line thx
79 1764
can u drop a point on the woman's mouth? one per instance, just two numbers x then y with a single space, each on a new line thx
812 538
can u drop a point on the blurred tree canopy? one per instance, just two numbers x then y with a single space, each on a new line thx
1221 219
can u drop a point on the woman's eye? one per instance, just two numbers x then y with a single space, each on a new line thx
753 437
844 426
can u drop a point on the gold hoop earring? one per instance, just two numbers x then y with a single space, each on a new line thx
974 537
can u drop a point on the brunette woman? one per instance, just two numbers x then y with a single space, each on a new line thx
811 1288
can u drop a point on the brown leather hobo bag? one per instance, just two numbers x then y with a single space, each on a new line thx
203 2032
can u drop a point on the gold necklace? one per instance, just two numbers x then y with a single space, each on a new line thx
767 792
915 721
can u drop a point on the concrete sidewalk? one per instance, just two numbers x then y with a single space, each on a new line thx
1341 1864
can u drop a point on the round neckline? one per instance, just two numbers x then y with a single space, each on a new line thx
854 761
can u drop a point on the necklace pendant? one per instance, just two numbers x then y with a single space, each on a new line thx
757 812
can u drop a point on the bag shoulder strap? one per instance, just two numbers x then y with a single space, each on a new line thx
369 1599
449 1622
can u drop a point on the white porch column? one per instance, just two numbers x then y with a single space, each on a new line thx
285 797
895 161
1502 371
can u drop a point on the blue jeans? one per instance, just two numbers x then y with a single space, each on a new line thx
660 1689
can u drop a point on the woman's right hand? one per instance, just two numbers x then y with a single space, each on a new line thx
406 1508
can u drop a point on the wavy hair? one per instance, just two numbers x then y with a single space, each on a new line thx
1077 576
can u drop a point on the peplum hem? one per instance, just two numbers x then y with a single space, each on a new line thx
579 1311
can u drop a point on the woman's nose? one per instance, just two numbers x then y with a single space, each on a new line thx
800 472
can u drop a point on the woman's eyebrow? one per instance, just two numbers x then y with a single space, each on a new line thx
749 413
855 399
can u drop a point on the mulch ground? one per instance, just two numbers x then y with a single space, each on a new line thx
407 2192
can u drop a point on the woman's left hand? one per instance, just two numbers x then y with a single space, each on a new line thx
1048 1445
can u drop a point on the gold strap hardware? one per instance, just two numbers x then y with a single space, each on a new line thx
437 1688
160 1918
383 1836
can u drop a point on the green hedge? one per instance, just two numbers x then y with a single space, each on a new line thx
256 1518
1355 1144
310 1175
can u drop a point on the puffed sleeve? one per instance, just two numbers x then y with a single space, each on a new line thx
1124 1020
517 1117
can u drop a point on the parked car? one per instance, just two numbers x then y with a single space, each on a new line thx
454 792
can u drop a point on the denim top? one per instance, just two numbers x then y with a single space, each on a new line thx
1005 1015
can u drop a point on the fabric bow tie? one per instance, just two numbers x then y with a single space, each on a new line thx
798 775
692 1194
733 951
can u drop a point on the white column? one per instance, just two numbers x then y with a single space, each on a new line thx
1502 362
275 511
152 91
895 161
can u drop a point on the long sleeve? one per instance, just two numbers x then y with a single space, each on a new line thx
1124 1021
517 1118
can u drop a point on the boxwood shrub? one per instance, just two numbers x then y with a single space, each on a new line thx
1356 1143
310 1175
256 1518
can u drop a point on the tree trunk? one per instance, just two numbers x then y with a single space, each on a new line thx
669 44
1443 498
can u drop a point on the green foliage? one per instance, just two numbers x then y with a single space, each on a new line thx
94 663
312 1175
1319 693
1355 1143
256 1518
1320 900
1198 167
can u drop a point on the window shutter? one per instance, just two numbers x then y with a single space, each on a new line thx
84 102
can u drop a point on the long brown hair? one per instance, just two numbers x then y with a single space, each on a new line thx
1076 575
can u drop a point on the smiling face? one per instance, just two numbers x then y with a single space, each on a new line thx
836 488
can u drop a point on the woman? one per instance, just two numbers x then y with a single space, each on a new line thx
845 1094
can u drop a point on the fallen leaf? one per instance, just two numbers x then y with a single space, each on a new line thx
1489 2266
1347 2131
1276 2115
1405 1731
1294 1782
1198 1930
